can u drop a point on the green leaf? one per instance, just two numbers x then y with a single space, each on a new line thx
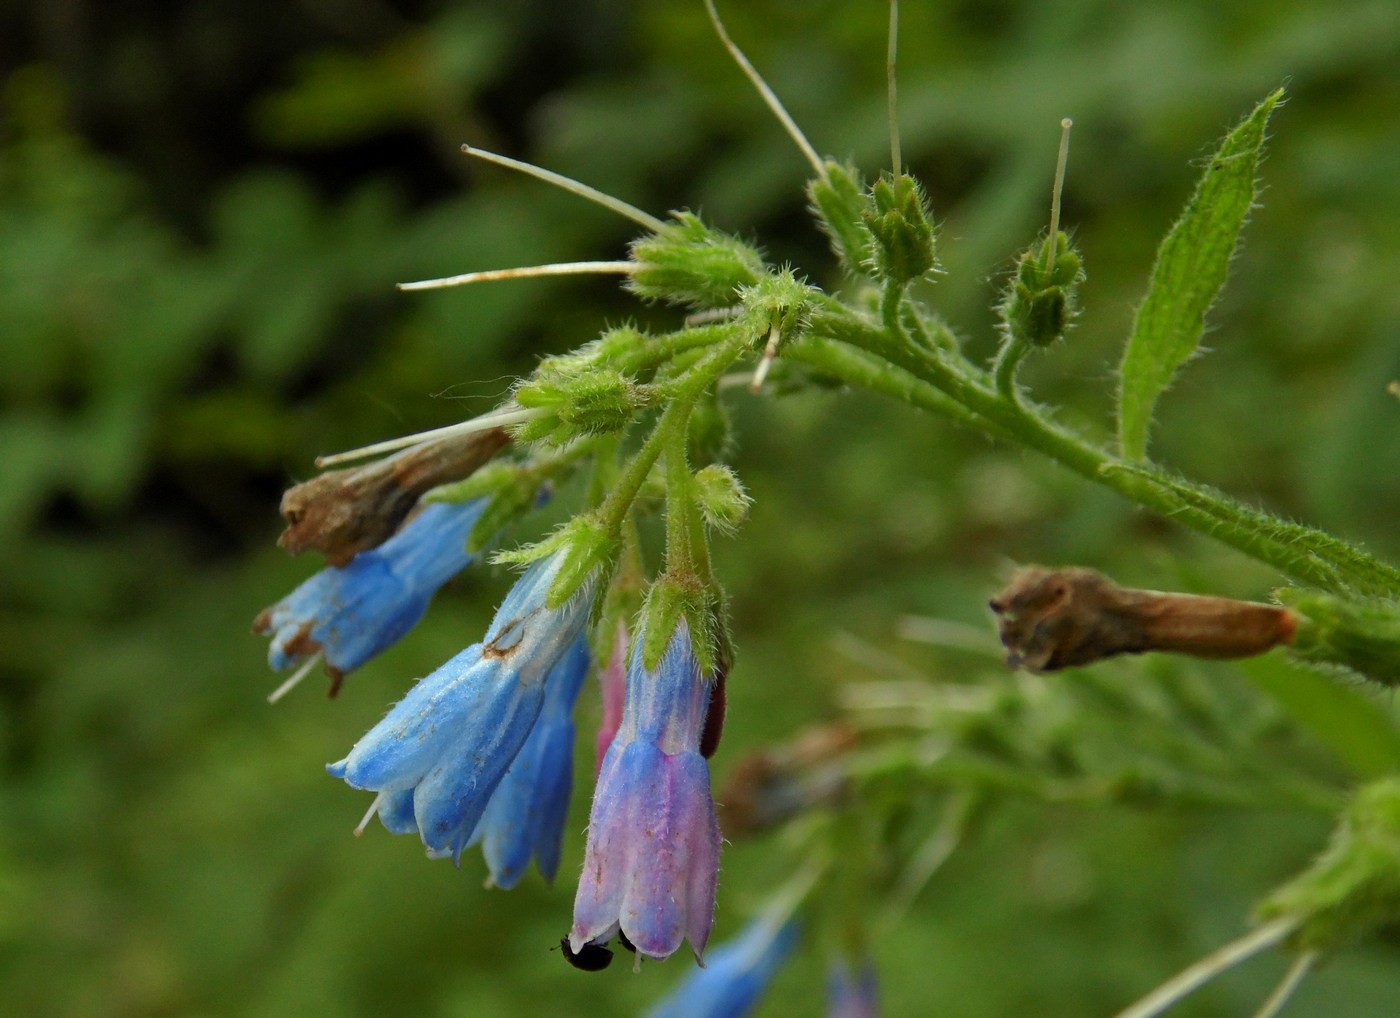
1352 724
1189 273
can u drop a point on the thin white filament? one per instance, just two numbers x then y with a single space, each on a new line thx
770 351
1061 162
369 814
1301 966
774 103
302 672
495 419
571 185
525 272
890 55
1191 978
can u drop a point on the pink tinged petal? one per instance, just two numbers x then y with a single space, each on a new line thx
612 678
607 857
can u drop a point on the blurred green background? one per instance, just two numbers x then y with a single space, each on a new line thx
203 209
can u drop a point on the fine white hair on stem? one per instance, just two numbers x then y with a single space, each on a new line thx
890 93
303 670
643 219
1301 966
497 418
1191 978
524 272
774 103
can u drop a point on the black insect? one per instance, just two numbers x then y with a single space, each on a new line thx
589 958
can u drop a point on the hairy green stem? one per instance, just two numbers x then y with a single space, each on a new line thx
680 502
1009 358
1308 556
675 419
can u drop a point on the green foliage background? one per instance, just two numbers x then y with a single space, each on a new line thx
203 209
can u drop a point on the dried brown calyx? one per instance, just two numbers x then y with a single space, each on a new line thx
344 512
1061 618
772 785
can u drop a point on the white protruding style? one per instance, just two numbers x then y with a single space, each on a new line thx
571 185
498 418
769 96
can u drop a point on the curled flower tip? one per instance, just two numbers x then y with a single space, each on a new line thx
735 975
652 858
1063 618
345 512
350 614
443 750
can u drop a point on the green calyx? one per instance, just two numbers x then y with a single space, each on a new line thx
778 302
513 490
721 497
900 224
839 205
590 400
686 263
1040 303
589 551
1361 636
671 598
1354 886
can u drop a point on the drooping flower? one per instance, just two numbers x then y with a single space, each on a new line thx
354 612
440 753
735 974
653 842
851 996
526 813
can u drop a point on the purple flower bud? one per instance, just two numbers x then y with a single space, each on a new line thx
735 975
653 841
355 612
848 996
450 740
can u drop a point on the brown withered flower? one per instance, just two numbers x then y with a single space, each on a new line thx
343 512
1062 618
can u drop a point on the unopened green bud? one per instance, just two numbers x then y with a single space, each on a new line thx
595 401
618 345
778 301
721 497
689 264
1040 303
1361 636
1354 886
839 203
901 228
